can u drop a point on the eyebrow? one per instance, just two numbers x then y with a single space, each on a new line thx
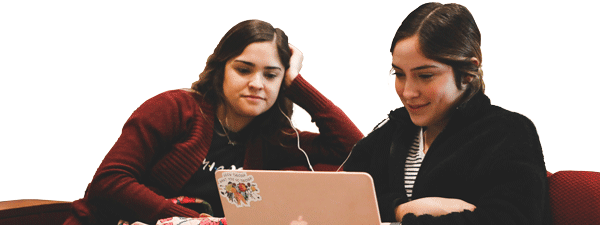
416 68
252 64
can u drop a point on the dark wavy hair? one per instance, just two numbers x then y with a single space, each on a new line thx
447 33
233 43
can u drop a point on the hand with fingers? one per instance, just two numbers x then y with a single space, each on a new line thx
295 65
435 206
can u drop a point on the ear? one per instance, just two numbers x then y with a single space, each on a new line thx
467 79
475 61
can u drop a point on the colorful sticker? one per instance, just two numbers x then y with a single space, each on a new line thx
239 188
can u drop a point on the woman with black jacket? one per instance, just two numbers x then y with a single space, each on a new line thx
449 156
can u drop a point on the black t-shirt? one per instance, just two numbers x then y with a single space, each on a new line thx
221 155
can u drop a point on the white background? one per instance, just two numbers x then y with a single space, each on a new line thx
73 71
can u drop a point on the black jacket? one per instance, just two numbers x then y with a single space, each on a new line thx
486 155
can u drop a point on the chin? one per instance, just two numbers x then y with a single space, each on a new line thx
419 122
251 114
254 113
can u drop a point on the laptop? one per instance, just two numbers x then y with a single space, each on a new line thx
297 197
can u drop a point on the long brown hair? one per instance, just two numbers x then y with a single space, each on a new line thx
447 33
233 43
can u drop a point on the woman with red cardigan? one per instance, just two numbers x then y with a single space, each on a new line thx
235 116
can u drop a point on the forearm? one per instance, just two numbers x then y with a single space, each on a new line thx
134 200
434 206
117 188
517 197
119 183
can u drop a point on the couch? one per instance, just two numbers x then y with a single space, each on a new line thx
33 211
575 197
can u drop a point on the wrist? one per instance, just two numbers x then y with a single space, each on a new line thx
290 77
399 213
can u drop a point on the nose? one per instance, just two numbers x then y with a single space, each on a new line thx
256 81
409 88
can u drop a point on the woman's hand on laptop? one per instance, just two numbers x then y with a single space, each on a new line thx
435 206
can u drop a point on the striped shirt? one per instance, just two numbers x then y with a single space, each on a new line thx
411 166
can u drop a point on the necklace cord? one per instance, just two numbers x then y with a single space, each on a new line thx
225 131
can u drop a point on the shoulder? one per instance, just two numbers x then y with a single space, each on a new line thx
479 114
502 137
502 134
177 95
500 118
397 118
383 131
170 104
172 98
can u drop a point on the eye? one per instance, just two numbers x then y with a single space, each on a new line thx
270 74
398 74
426 76
243 70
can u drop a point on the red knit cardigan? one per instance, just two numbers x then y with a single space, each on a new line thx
165 141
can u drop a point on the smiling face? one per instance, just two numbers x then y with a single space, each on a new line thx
252 81
426 87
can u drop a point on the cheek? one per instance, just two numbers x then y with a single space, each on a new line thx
226 84
399 87
448 95
274 87
436 95
452 91
227 78
232 82
272 90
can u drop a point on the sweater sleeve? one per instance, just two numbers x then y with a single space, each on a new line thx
337 133
117 186
508 179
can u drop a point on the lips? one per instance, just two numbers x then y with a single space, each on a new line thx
253 97
416 107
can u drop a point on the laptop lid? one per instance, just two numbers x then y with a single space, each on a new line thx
297 197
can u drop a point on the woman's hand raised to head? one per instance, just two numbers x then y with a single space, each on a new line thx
295 65
435 206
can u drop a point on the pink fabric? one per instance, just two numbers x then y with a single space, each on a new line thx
192 221
184 221
203 219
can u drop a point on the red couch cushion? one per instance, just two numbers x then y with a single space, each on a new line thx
31 211
575 197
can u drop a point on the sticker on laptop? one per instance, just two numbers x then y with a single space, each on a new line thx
239 188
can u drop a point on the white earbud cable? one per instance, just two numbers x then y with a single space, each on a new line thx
298 135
